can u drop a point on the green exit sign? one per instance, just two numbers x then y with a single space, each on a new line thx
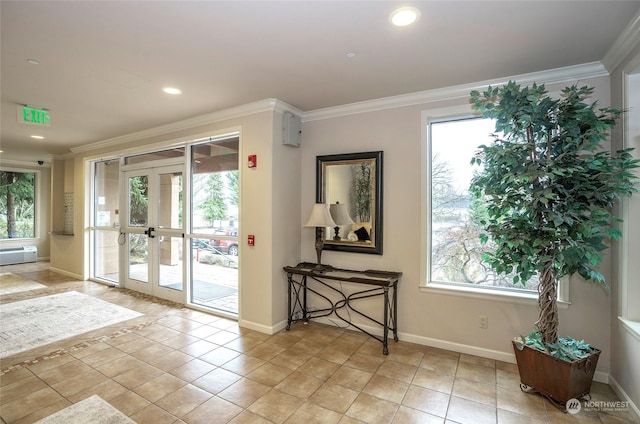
33 116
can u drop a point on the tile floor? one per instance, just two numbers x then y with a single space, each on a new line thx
176 365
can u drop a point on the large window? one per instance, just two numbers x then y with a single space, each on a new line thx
455 251
17 204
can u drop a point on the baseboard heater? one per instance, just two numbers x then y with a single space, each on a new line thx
18 255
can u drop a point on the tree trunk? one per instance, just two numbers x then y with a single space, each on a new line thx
547 323
11 215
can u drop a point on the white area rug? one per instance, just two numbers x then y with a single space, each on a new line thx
31 323
13 283
91 410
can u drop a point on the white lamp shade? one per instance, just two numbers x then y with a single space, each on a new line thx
320 216
340 214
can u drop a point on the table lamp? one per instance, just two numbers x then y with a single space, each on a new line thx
341 217
320 218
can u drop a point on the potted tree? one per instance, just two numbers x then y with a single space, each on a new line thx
549 186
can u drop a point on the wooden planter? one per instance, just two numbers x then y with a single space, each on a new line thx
554 378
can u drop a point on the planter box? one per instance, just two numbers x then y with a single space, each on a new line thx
554 378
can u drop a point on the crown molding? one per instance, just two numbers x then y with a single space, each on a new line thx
552 76
626 42
259 106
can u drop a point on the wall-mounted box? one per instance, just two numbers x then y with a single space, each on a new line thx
291 129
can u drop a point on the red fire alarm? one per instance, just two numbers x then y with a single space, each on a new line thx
251 240
252 162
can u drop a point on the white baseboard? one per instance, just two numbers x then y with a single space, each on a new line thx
67 273
262 328
634 410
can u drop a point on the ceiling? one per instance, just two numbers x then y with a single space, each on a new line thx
102 64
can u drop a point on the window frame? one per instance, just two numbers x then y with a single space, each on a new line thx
457 113
36 202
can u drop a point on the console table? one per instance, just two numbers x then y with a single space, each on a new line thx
306 277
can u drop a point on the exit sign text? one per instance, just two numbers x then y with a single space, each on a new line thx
33 116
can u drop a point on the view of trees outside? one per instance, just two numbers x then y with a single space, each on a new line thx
456 251
17 204
215 199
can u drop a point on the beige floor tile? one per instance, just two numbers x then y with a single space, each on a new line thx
108 389
351 378
508 417
222 337
14 376
119 366
25 405
430 401
366 363
214 410
248 417
290 359
477 360
529 405
476 372
199 347
319 368
58 374
219 356
171 360
129 403
138 376
243 364
299 385
397 371
310 413
442 363
465 411
192 370
217 380
413 416
244 392
153 415
78 383
184 400
386 388
433 380
372 410
276 406
159 387
334 397
269 374
21 387
472 390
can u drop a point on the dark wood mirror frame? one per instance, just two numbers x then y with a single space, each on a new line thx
353 179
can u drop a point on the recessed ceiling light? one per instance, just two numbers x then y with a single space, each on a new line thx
404 16
37 137
33 61
172 90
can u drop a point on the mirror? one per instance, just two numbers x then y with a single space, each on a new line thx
352 185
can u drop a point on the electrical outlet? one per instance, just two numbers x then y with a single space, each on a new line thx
484 321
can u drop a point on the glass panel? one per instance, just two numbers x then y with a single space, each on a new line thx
138 201
106 255
106 194
170 275
170 201
149 157
214 278
456 251
17 204
139 257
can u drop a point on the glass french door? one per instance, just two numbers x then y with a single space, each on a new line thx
154 231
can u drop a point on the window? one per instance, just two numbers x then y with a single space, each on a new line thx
17 204
105 229
454 248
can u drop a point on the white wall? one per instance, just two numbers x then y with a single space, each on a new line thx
436 318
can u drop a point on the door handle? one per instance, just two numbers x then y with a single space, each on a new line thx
149 232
